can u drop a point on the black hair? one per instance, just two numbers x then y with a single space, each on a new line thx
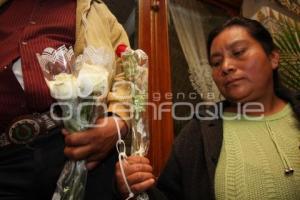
263 36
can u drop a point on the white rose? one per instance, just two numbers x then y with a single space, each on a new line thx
63 86
92 78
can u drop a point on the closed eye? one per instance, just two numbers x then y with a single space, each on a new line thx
238 53
215 64
216 61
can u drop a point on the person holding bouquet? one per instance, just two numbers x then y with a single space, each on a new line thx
247 147
33 146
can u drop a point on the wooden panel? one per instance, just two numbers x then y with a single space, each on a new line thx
232 7
153 38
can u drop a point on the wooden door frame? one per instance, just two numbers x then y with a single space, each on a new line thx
153 39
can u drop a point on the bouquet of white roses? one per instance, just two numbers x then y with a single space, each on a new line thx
80 85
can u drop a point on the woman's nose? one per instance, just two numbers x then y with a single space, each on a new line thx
228 66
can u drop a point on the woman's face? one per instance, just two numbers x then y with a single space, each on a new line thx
240 67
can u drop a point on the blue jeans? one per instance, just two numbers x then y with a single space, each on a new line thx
30 172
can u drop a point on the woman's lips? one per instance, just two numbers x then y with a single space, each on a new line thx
228 82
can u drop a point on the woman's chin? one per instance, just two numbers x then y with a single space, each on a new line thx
238 98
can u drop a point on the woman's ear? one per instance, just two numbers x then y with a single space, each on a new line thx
274 58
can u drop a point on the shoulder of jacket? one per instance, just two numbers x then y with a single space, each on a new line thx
206 118
189 133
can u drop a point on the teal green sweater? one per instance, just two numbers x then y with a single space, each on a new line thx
254 156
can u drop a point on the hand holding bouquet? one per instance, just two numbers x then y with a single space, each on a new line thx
80 85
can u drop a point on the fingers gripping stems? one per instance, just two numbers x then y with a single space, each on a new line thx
121 148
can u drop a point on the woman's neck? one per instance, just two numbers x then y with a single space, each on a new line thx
267 107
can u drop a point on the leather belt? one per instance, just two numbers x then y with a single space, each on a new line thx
26 128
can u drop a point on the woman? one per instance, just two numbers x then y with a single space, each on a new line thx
251 150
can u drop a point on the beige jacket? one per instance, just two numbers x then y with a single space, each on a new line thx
97 26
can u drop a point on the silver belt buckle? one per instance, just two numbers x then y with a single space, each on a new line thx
24 129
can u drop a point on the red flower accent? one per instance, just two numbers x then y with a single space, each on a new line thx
120 49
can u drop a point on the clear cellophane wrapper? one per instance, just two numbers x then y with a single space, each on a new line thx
79 85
